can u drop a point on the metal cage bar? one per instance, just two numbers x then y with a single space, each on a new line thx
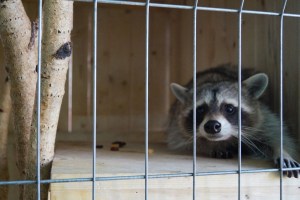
240 15
187 7
38 99
152 176
281 97
95 20
147 96
194 97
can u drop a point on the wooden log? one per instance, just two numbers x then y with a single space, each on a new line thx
18 38
5 108
56 51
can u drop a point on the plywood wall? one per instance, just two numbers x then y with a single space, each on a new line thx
121 69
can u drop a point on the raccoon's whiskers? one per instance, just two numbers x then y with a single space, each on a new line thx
190 138
251 145
251 136
247 128
248 140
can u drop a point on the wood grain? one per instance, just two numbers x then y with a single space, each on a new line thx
73 160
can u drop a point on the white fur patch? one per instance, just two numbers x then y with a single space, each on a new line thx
206 100
234 102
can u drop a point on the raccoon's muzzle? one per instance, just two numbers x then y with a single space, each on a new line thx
212 127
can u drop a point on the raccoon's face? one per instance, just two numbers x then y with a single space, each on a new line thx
216 112
217 107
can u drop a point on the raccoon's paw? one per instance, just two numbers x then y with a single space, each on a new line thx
289 163
222 154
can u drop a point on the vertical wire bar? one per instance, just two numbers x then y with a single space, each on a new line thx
240 98
281 97
94 94
70 95
147 98
194 97
38 157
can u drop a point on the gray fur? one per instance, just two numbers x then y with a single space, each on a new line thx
217 89
257 84
179 91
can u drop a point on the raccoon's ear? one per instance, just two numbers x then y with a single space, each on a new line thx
257 84
179 91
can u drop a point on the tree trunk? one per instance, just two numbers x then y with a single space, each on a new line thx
21 59
5 106
56 51
18 37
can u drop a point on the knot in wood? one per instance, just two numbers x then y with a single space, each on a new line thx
64 51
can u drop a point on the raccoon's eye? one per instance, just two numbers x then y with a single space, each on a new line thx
230 109
201 109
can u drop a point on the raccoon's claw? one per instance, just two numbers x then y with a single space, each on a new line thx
287 163
222 154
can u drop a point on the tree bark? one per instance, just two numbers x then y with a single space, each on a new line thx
18 37
56 51
21 59
5 107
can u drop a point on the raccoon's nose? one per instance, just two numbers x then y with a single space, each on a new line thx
212 127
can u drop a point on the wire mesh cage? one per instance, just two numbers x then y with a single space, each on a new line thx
125 55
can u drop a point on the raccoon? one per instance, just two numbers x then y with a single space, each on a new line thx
217 118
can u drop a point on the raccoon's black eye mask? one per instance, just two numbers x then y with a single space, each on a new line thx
201 110
200 113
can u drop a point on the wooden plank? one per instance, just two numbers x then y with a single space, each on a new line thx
73 160
208 188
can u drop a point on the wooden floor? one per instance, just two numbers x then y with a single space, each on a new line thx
74 160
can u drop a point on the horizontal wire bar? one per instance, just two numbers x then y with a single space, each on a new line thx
19 182
187 7
150 176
